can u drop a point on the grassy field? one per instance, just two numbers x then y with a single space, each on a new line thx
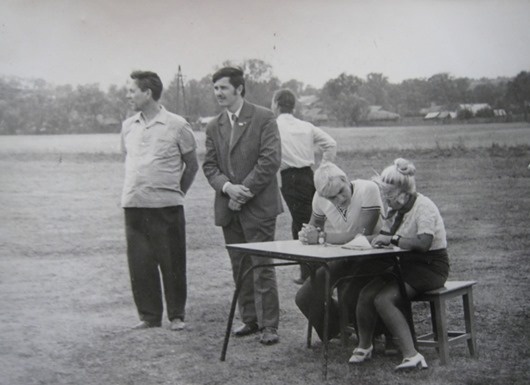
65 293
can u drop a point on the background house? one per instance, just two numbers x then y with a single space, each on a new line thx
474 107
376 113
310 108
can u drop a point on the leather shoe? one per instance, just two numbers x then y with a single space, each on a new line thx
177 324
246 329
146 325
269 336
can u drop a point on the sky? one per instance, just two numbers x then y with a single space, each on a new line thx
102 41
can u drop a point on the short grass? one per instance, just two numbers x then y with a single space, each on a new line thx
66 301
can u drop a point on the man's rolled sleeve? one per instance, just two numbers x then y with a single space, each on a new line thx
186 139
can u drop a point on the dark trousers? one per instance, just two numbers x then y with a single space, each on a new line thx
258 299
310 297
297 190
156 239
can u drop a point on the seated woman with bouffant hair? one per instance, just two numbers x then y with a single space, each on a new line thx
414 223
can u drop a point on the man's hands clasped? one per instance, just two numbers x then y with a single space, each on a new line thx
239 195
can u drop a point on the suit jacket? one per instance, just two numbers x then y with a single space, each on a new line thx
255 156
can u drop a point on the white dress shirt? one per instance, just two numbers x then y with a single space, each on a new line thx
231 115
299 140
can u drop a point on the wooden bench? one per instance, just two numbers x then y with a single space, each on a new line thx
440 337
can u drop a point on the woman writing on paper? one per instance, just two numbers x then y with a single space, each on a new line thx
413 222
342 209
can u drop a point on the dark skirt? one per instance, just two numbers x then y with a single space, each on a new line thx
425 271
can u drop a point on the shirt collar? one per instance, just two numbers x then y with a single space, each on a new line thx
236 113
285 116
230 114
161 117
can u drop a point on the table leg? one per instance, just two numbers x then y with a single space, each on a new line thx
309 335
240 277
312 272
325 339
406 301
239 280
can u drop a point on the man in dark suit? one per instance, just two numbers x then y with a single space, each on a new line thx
243 155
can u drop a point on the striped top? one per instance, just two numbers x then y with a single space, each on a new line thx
366 196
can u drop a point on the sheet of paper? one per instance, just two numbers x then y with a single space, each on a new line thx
358 243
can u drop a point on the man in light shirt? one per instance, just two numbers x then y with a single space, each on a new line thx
300 139
160 165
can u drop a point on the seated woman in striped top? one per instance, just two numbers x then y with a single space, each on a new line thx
342 209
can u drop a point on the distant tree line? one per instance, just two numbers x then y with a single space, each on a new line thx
32 106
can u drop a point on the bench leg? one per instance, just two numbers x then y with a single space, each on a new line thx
469 316
433 323
312 274
440 321
309 331
343 316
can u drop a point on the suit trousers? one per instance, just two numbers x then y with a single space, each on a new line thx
156 239
297 190
258 299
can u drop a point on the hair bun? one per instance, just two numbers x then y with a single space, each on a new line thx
405 167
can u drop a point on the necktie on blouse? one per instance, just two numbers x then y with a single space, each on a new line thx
400 214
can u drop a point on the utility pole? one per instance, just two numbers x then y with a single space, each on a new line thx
182 108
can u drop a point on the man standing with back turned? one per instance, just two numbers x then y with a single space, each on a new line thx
299 141
160 165
242 158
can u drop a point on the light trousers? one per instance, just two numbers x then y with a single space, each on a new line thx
258 299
